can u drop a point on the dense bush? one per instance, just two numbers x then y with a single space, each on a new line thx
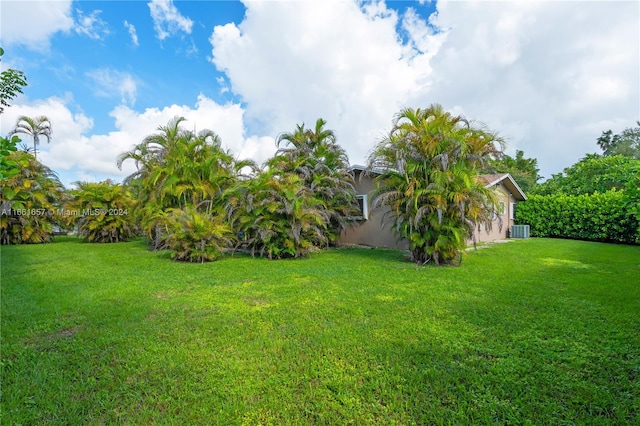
595 217
322 165
632 200
194 236
30 197
278 217
179 184
103 212
429 163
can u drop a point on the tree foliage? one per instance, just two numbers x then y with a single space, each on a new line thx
631 199
278 216
429 164
626 143
103 212
196 236
30 201
8 167
34 127
178 169
593 199
323 168
594 173
11 84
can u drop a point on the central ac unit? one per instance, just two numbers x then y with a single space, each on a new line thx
520 231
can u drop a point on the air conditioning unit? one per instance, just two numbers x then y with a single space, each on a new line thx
520 231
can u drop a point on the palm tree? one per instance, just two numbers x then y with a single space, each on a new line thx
34 127
103 212
181 179
195 236
35 194
277 216
430 160
323 166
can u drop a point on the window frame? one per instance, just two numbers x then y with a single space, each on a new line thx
364 209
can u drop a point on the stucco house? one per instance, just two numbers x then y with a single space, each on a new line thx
372 232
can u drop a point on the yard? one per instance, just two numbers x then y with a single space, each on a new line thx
534 331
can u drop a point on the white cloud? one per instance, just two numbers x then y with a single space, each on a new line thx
540 73
108 83
167 19
550 76
32 23
226 120
132 33
78 155
224 87
91 25
69 147
354 73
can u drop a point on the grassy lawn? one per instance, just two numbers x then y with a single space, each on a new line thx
530 332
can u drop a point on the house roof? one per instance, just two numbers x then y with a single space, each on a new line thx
365 169
487 179
505 179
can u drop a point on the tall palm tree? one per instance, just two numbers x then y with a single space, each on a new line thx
430 160
34 127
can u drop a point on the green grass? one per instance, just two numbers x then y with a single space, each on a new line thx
530 332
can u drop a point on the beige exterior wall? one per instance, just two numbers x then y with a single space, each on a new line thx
497 232
371 232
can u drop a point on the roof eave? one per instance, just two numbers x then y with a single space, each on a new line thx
515 189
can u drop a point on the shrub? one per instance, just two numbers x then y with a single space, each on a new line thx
429 163
632 201
102 211
278 216
592 174
193 236
322 165
30 200
596 217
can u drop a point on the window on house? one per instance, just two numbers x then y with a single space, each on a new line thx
363 205
500 210
512 211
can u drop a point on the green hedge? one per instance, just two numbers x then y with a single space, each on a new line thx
595 217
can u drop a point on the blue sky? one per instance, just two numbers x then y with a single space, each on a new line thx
120 42
548 76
